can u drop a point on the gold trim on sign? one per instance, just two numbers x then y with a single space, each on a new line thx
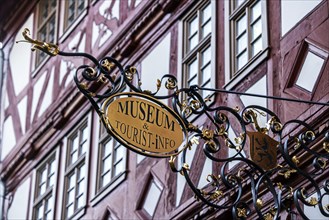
174 133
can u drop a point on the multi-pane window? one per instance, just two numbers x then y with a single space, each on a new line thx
46 25
75 172
149 199
313 63
198 27
111 160
44 187
308 70
247 20
152 198
197 46
73 8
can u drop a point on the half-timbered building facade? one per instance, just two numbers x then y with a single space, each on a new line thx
58 161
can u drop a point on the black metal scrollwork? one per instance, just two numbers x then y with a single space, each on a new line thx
267 156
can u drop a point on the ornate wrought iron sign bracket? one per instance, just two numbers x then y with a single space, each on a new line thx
269 156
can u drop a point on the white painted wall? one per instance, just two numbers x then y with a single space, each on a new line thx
292 11
155 65
19 206
9 140
20 58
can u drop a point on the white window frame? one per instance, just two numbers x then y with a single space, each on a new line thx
51 191
83 160
64 30
187 56
140 211
232 76
36 63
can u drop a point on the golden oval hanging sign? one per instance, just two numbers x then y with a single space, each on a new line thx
144 124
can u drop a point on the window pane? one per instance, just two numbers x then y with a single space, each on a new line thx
42 181
192 73
193 26
51 35
102 130
83 140
71 181
74 149
42 188
206 56
108 148
53 4
193 33
70 196
70 210
71 9
310 71
193 42
206 93
242 43
119 153
43 34
71 3
193 81
206 21
81 5
43 175
206 14
49 215
256 11
193 69
40 212
74 157
206 29
41 56
81 201
107 164
241 25
82 172
51 180
49 204
256 46
44 11
242 59
75 143
118 168
46 25
83 148
256 29
81 187
106 179
84 133
51 174
52 167
152 198
206 74
238 3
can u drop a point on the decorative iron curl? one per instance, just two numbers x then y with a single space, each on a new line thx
291 149
284 196
104 78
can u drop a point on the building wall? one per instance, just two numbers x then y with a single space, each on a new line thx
44 112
